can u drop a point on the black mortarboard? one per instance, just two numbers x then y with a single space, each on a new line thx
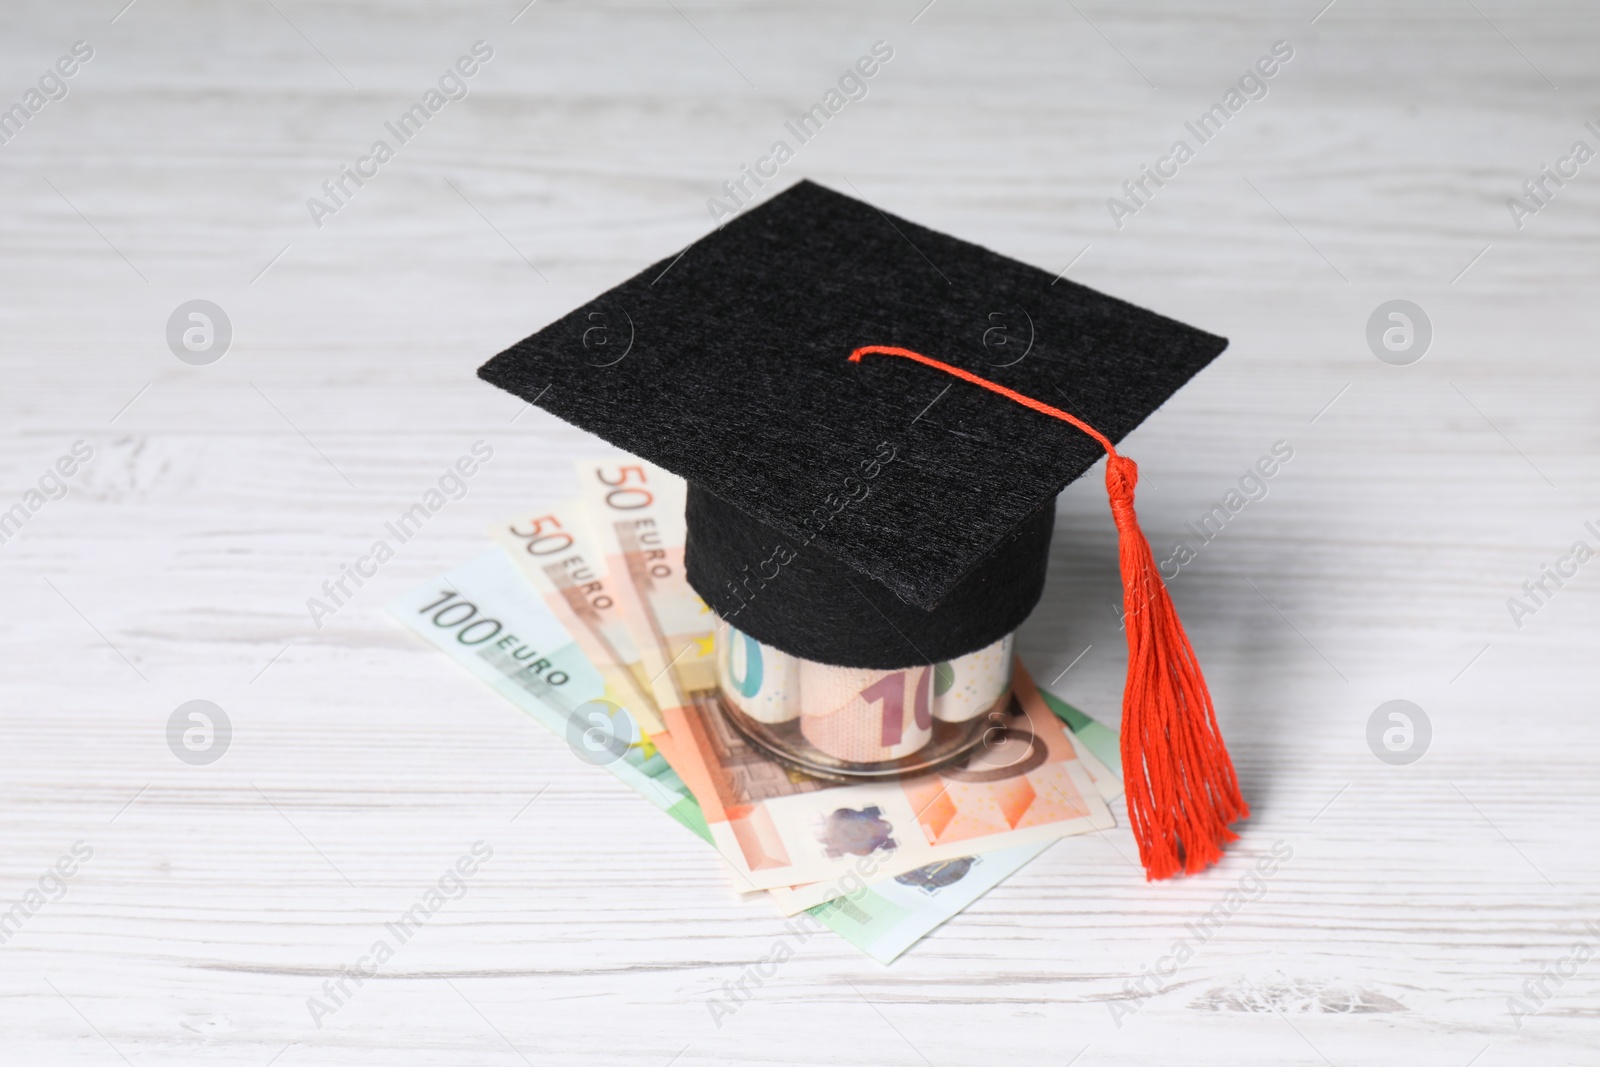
736 376
878 513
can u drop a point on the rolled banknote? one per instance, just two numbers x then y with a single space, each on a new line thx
760 681
857 715
970 685
866 716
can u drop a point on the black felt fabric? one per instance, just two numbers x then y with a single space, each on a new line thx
789 595
729 365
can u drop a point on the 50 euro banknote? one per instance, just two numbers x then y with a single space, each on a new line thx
555 549
637 512
779 828
1088 740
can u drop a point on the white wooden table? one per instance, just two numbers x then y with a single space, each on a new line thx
219 898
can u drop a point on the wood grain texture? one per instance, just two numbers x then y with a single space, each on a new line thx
218 899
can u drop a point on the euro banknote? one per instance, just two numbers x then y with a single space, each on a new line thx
778 828
484 616
1107 783
859 890
557 552
890 916
637 511
1094 739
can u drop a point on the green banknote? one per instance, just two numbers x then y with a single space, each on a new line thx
1096 736
891 915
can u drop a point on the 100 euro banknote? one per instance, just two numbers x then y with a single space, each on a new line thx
485 617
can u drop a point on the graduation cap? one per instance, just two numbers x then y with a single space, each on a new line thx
874 420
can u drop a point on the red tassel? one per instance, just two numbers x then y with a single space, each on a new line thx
1181 789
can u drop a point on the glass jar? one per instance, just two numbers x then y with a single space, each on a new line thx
858 723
